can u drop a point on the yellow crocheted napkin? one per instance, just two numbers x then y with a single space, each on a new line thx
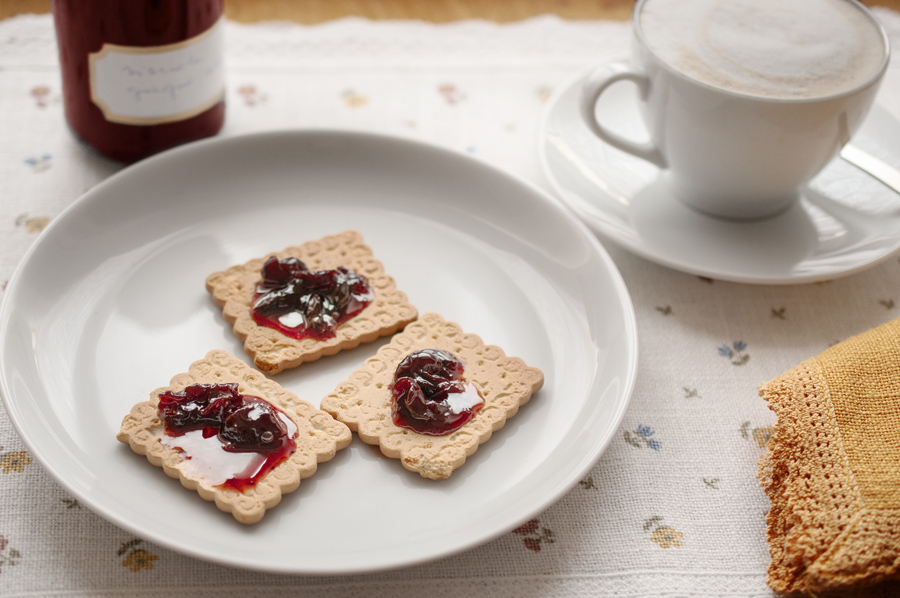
832 470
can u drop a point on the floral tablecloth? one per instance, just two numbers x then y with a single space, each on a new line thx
673 507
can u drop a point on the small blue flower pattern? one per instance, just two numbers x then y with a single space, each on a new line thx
735 353
39 164
641 437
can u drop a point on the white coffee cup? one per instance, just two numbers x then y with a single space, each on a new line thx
732 146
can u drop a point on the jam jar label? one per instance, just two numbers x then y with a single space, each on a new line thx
157 84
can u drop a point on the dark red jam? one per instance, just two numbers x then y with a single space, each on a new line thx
430 394
82 29
230 439
302 303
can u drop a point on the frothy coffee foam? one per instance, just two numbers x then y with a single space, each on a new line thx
770 48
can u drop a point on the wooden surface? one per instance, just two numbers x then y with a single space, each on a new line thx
439 11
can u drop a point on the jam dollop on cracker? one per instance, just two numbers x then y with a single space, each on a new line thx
233 439
430 395
302 303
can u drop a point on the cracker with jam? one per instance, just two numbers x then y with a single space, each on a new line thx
233 435
309 301
432 395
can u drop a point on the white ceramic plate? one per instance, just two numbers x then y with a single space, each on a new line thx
845 221
110 303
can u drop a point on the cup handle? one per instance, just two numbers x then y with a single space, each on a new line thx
594 85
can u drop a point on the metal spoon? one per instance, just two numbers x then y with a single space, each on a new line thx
866 162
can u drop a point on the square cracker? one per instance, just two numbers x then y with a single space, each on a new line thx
319 437
363 401
272 351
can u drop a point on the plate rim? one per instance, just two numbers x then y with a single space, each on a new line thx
629 326
607 231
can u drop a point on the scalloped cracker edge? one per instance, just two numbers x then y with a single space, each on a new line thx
272 351
319 436
363 401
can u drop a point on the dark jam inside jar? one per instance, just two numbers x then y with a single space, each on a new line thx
230 439
88 28
430 395
302 303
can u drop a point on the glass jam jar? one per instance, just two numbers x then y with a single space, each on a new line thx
141 76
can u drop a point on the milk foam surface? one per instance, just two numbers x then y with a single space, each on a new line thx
770 48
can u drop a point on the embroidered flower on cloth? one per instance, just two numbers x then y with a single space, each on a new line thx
251 95
665 536
8 557
41 95
735 353
535 535
15 462
139 559
136 559
641 437
39 163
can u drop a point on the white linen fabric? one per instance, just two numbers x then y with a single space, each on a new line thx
672 508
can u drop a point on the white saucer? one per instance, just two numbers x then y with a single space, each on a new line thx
845 221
